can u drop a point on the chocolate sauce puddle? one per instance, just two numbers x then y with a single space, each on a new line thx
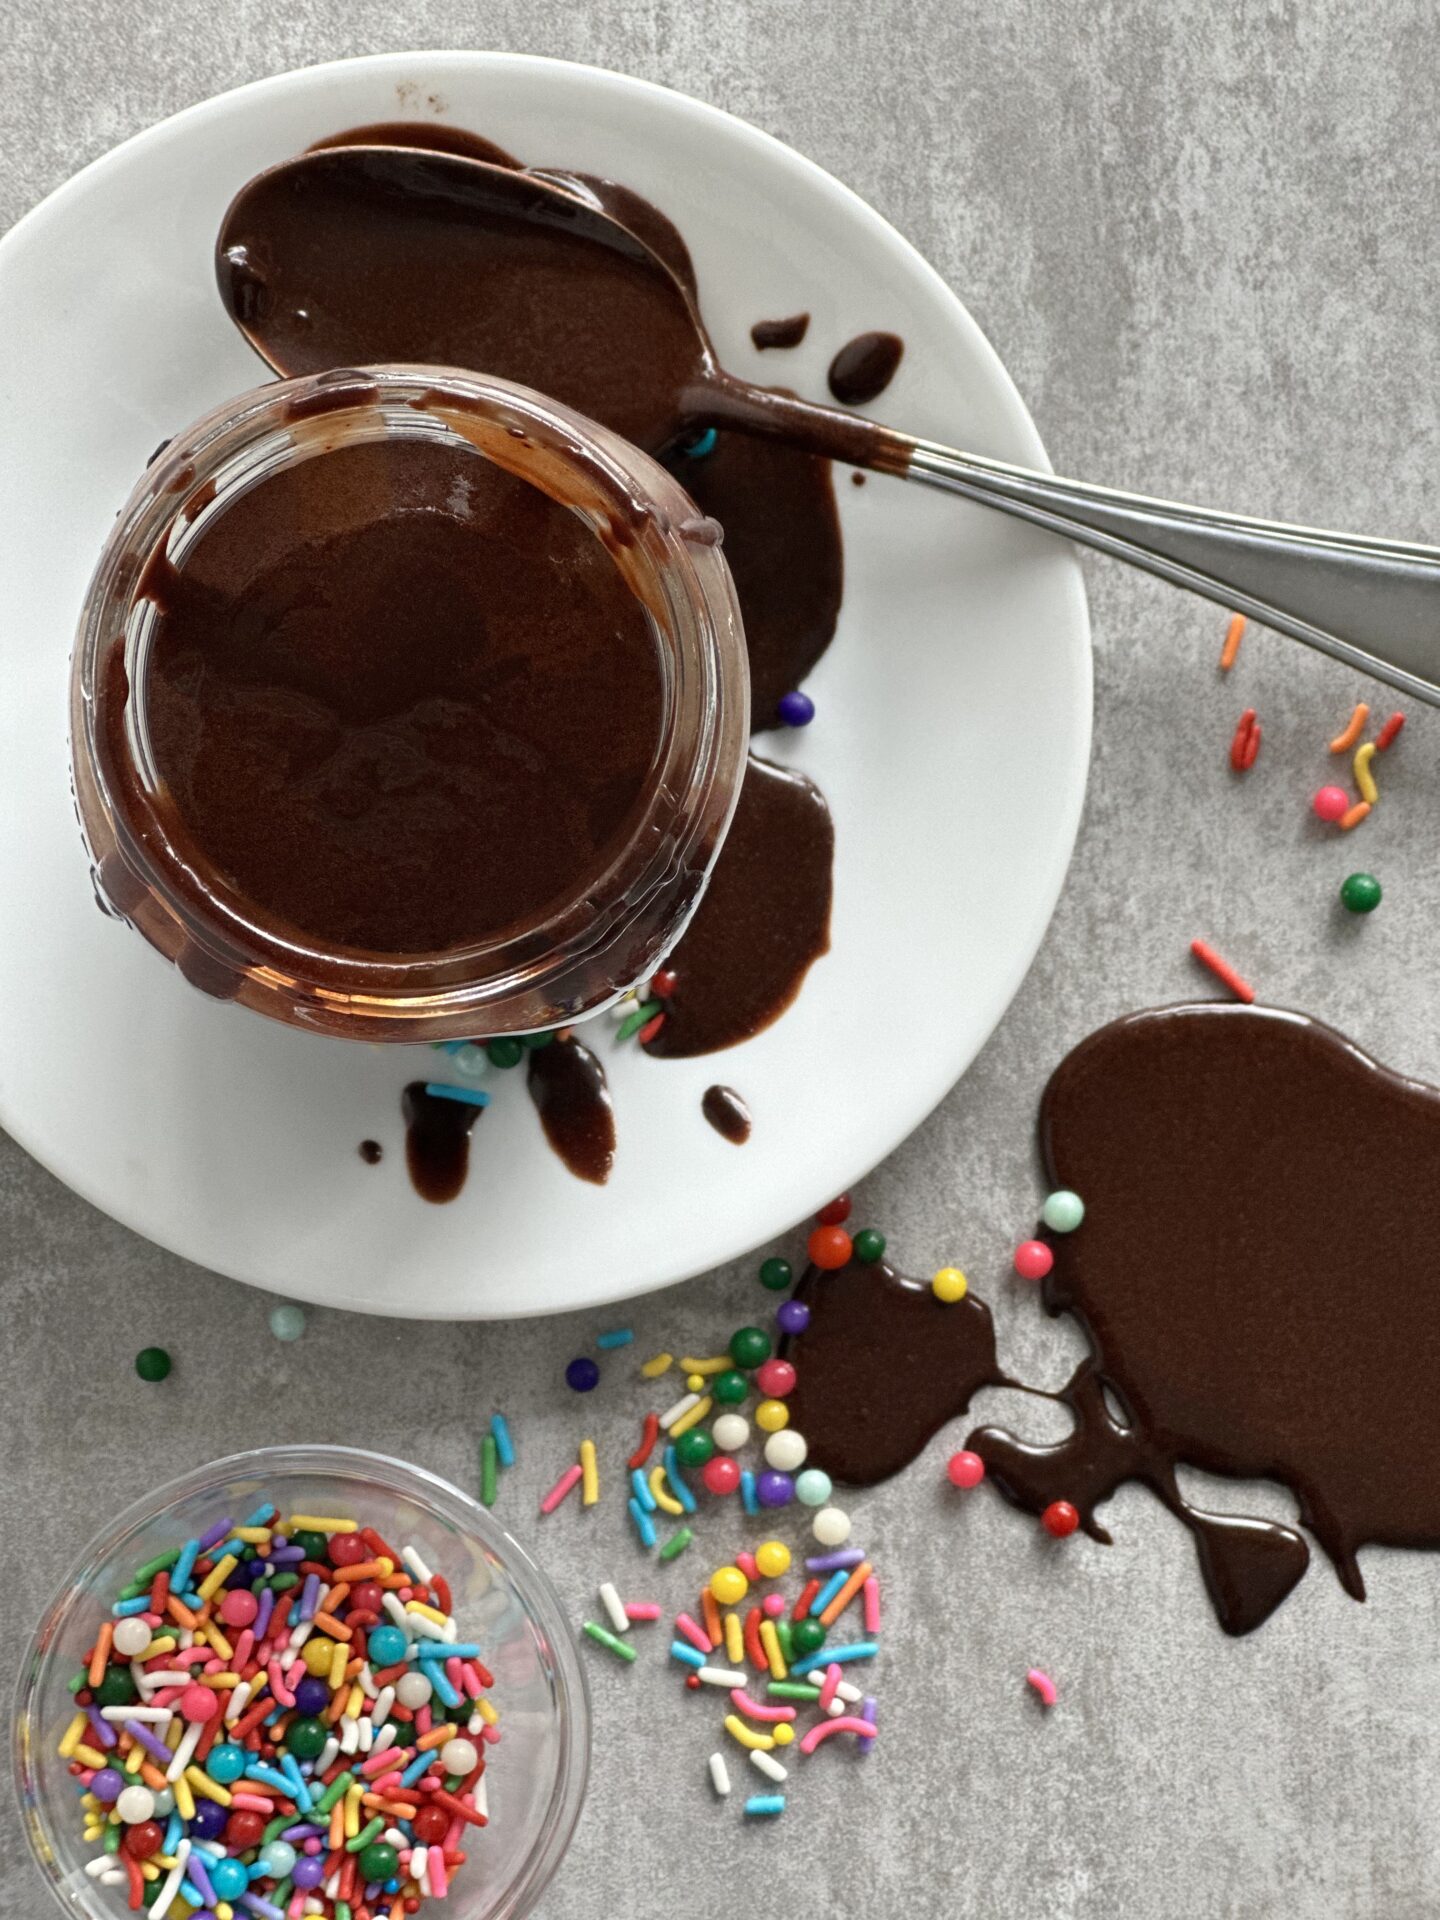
371 1152
864 367
437 1142
767 334
567 1084
727 1114
762 922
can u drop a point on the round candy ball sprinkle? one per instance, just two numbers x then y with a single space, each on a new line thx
721 1475
749 1347
199 1704
694 1383
413 1690
306 1737
729 1586
694 1447
869 1246
387 1646
459 1756
774 1489
831 1527
772 1415
729 1432
949 1285
1331 803
813 1488
135 1804
775 1274
1360 893
244 1830
131 1638
229 1878
1033 1259
775 1379
772 1557
582 1373
807 1636
379 1860
1063 1211
730 1387
107 1785
795 709
152 1363
785 1450
505 1052
793 1317
965 1469
143 1840
830 1248
1059 1519
226 1763
836 1213
287 1321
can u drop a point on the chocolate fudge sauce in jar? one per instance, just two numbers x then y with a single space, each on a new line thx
408 704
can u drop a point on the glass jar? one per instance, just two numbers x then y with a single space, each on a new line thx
584 950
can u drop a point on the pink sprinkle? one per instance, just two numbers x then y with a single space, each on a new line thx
1043 1685
456 1834
565 1484
423 1720
774 1605
827 1690
746 1564
244 1647
455 1673
759 1710
490 1735
697 1636
278 1687
472 1679
256 1802
843 1723
439 1885
871 1591
641 1610
378 1762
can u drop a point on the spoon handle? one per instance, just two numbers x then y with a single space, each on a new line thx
1374 604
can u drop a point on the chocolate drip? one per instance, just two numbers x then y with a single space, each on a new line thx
780 333
864 367
727 1114
567 1084
437 1142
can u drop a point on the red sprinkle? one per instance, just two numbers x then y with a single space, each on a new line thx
651 1027
830 1248
1059 1519
648 1438
802 1605
836 1214
1386 736
1223 971
663 984
1246 742
754 1650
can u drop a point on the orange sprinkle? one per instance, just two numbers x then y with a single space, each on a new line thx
1354 727
1353 818
848 1592
1234 634
1223 971
711 1613
180 1613
101 1654
337 1629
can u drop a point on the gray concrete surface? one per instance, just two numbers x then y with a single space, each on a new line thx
1202 237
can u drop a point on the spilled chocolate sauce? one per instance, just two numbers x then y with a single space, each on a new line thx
371 1152
727 1114
567 1084
864 367
762 922
780 333
437 1142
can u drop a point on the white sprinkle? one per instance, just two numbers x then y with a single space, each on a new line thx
100 1864
144 1686
721 1677
349 1735
177 1677
768 1764
367 1733
327 1754
299 1635
416 1565
719 1774
172 1882
114 1878
396 1612
367 1682
836 1708
237 1702
845 1690
385 1738
615 1607
679 1410
384 1700
482 1797
427 1629
153 1716
185 1752
622 1009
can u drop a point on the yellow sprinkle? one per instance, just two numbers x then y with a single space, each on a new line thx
663 1500
336 1675
419 1606
166 1644
211 1789
184 1798
217 1640
319 1523
747 1736
589 1474
1364 778
354 1706
691 1419
694 1383
734 1640
770 1640
490 1715
219 1680
217 1576
661 1363
89 1755
352 1811
718 1364
70 1739
252 1536
149 1871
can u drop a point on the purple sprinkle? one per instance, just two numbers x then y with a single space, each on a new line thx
139 1731
256 1905
262 1618
832 1562
305 1831
196 1869
795 709
793 1316
287 1556
309 1596
867 1712
103 1730
216 1534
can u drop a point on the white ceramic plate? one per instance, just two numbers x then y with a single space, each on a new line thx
952 739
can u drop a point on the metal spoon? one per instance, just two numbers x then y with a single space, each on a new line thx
385 253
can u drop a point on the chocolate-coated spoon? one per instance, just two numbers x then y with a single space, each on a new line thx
363 254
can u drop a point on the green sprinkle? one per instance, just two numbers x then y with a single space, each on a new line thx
282 1583
869 1246
337 1788
504 1052
112 1836
74 1684
782 1634
792 1690
677 1543
276 1827
532 1042
283 1892
152 1363
489 1469
366 1835
611 1640
342 1909
633 1022
144 1575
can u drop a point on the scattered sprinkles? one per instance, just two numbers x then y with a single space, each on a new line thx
1351 731
153 1363
1330 804
287 1321
1223 971
1389 733
1360 893
1234 634
1043 1685
795 709
1245 743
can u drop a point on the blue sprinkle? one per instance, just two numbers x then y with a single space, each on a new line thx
467 1096
682 1650
828 1592
184 1566
702 444
435 1673
125 1609
261 1517
857 1650
795 710
418 1767
504 1445
621 1337
641 1489
769 1803
677 1481
747 1491
642 1522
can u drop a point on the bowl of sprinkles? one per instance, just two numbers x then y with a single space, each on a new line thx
302 1680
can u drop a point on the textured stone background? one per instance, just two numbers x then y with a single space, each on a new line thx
1202 237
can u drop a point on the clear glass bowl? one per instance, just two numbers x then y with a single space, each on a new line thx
537 1773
